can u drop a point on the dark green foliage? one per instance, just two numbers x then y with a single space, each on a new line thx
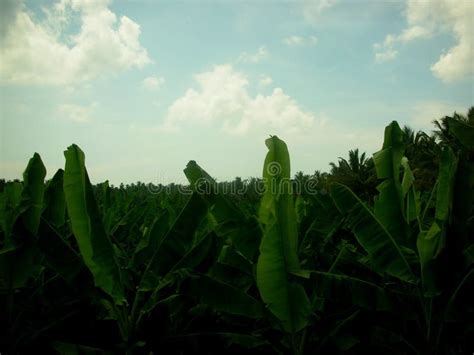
374 257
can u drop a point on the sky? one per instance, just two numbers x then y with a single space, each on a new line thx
145 86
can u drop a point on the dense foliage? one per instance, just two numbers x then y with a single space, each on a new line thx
374 256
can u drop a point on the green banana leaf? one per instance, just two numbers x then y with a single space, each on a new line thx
189 260
175 244
196 254
285 298
355 291
430 243
384 251
55 203
445 186
410 195
20 264
244 340
96 249
10 199
181 271
233 258
150 240
59 255
22 260
231 222
389 203
224 297
33 193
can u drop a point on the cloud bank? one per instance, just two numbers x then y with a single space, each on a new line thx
222 98
37 51
428 18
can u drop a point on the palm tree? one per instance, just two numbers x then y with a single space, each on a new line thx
320 177
442 133
423 153
357 173
355 166
409 136
299 182
470 116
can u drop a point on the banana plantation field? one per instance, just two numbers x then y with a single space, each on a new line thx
374 257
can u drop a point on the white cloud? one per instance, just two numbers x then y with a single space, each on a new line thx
35 52
385 51
259 55
300 41
414 33
222 98
265 81
428 18
277 111
312 9
385 55
76 113
153 82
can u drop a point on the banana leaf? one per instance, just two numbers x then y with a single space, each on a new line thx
389 204
55 203
285 298
95 247
230 221
346 288
384 251
224 297
33 193
430 243
175 244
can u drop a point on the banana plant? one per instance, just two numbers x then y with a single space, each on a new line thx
390 231
21 211
285 298
171 254
230 221
319 272
166 248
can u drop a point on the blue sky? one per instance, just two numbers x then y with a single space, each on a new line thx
145 86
